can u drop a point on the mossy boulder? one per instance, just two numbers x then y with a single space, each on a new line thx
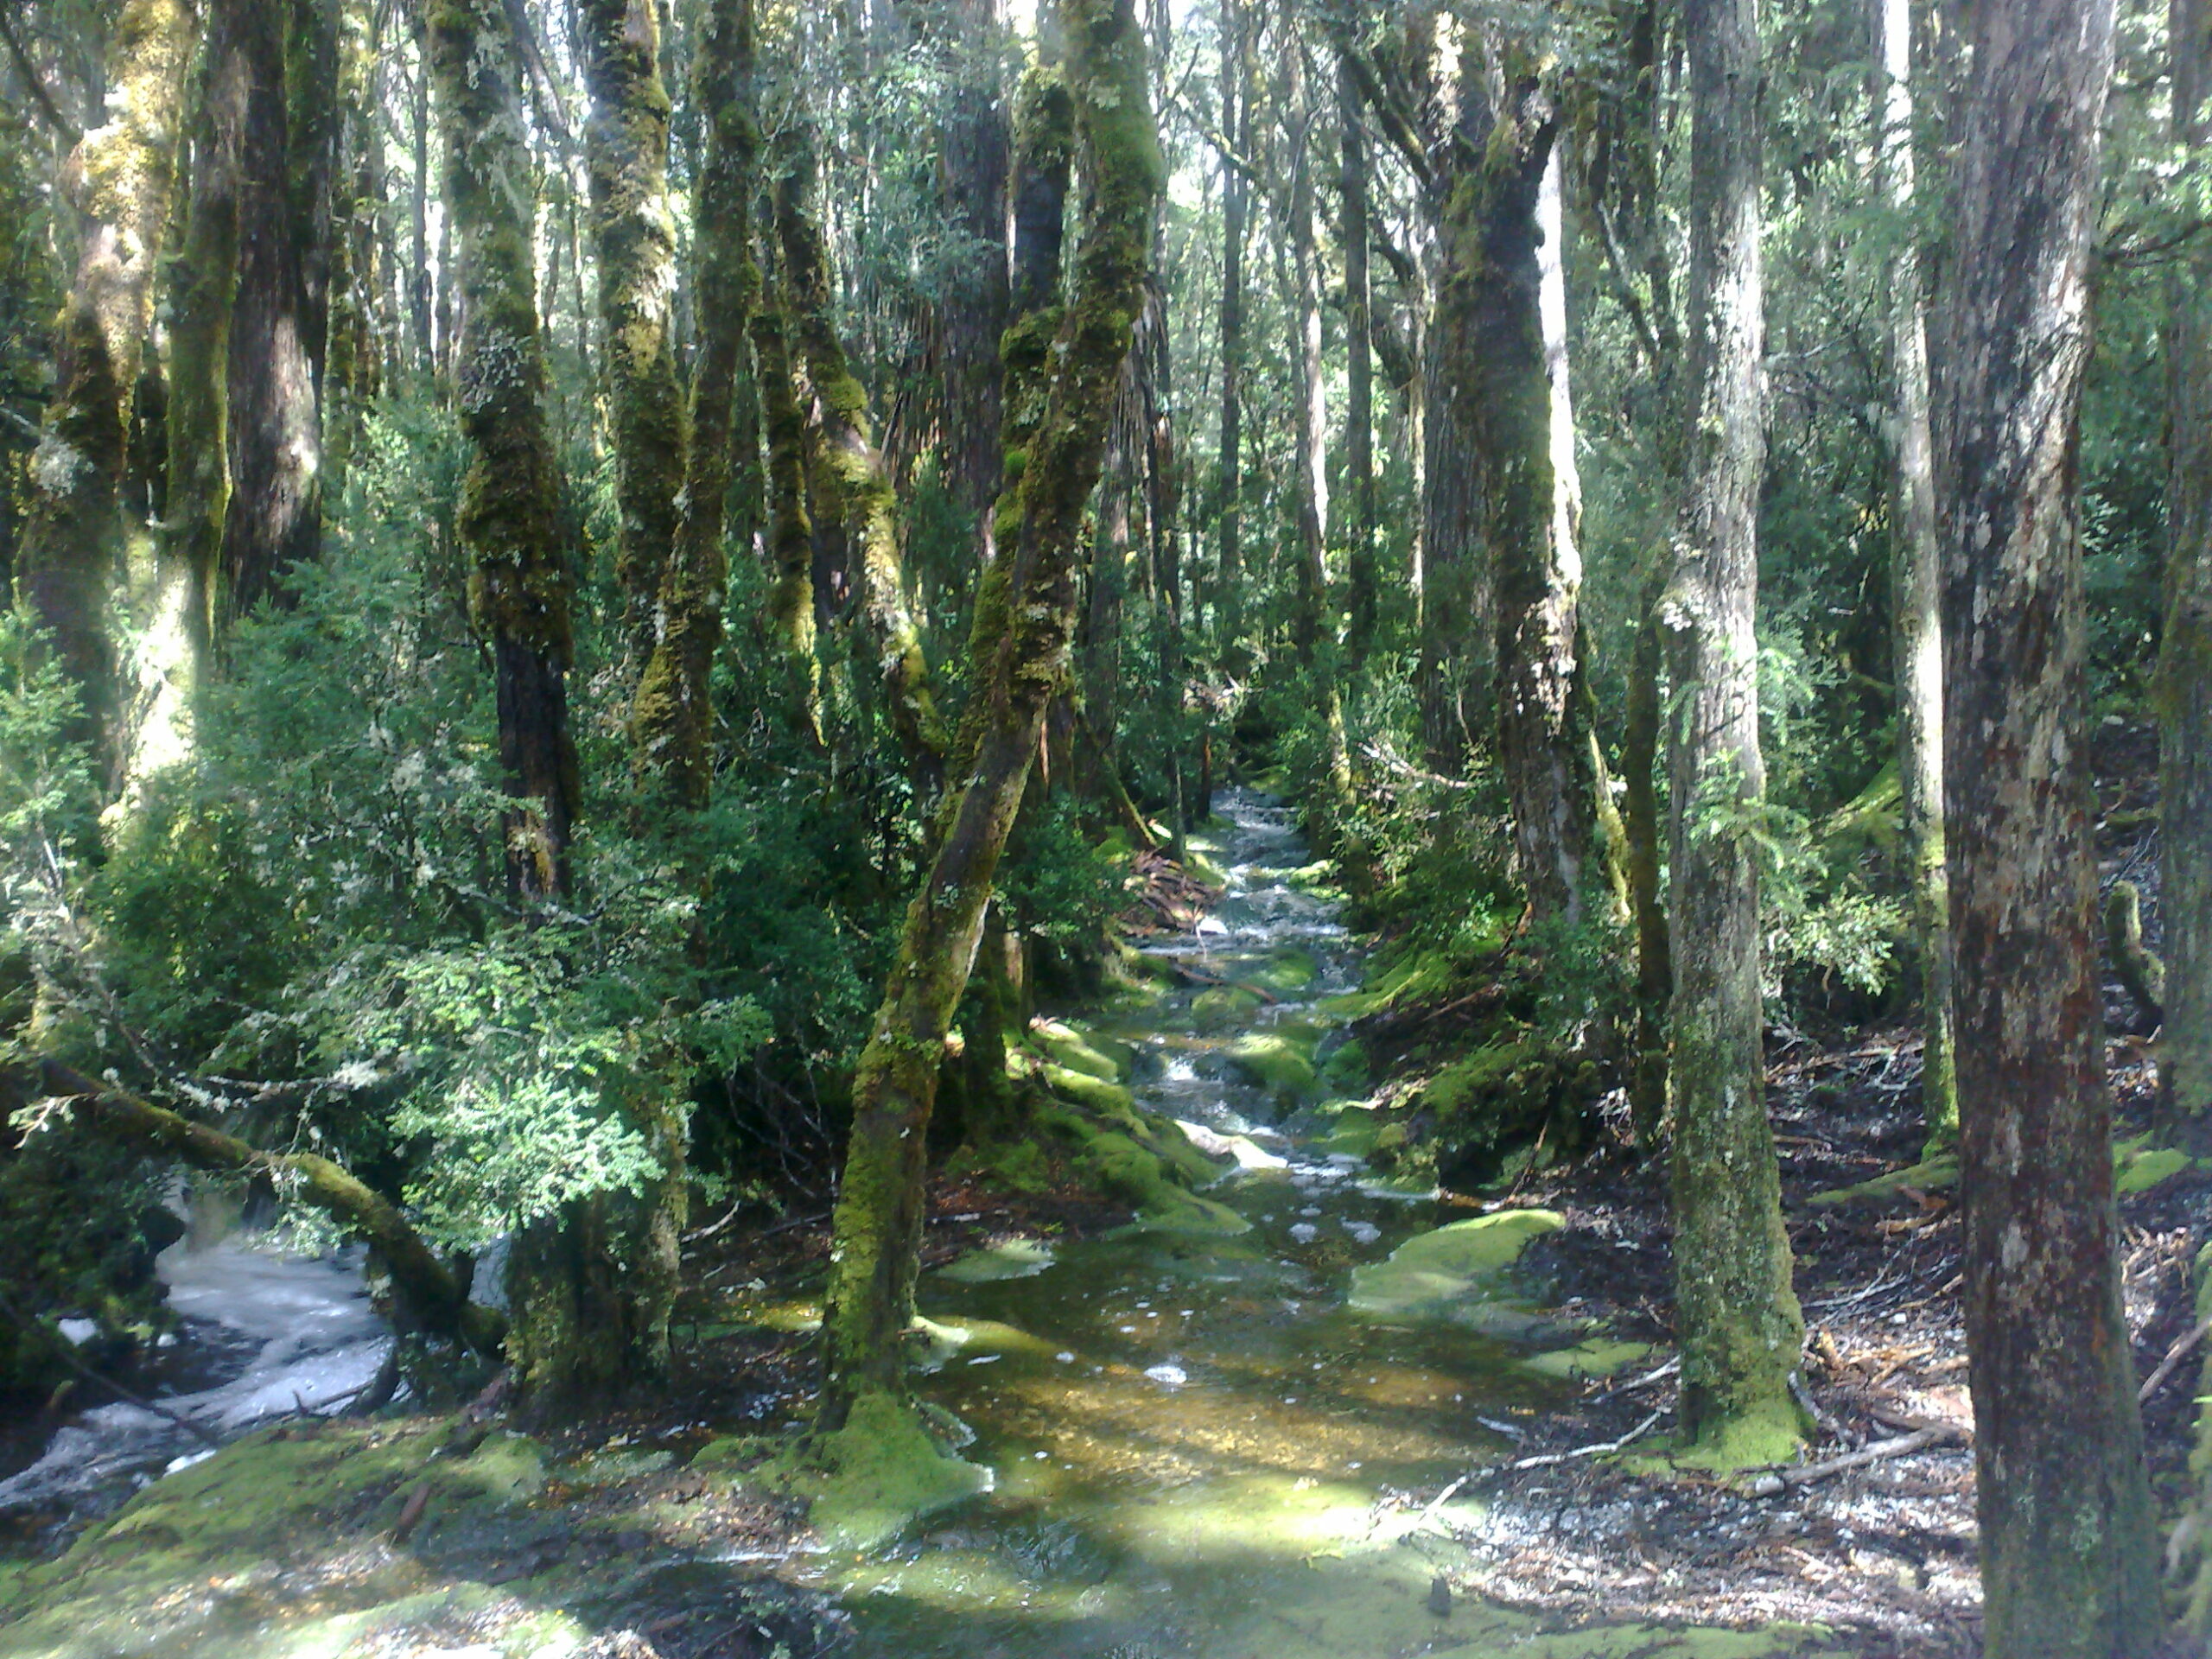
1593 1357
1222 1005
1280 1060
1462 1274
875 1478
1081 1050
1284 974
1012 1258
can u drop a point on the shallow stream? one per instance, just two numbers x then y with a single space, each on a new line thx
1200 1447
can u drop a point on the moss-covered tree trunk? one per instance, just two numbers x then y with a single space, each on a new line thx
791 611
203 281
1654 972
518 574
633 236
1236 208
1025 618
1917 631
855 483
1736 1314
76 542
1511 395
2184 683
2069 1567
1361 576
672 718
280 323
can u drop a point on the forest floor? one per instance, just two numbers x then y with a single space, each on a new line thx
1883 1553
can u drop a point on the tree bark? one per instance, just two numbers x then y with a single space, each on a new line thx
174 651
633 238
857 486
791 527
508 524
1512 391
1915 578
672 717
1736 1316
1026 617
76 542
280 322
2183 688
2068 1561
1237 121
1362 579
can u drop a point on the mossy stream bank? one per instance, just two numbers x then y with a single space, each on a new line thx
1213 1432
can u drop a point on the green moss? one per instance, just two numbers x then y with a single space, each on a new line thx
1756 1439
1931 1175
875 1476
1280 1060
1015 1258
1591 1357
1108 1099
1225 1005
1451 1273
1414 977
1081 1050
1284 973
2138 1166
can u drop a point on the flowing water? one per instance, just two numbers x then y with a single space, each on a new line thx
1200 1448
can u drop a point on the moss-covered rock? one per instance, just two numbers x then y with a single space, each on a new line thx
1280 1060
1012 1258
1223 1005
875 1476
1284 973
1462 1273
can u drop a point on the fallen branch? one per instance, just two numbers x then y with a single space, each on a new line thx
1546 1459
2167 1366
1657 1374
437 1299
1776 1481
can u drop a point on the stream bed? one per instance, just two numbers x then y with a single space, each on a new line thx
1202 1446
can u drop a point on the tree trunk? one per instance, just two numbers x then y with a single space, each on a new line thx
672 718
1654 971
173 656
76 541
857 489
1025 616
1736 1314
2068 1561
508 524
1493 285
633 238
1361 574
791 527
279 327
2184 681
1914 579
1237 122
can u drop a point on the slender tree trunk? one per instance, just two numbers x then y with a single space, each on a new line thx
279 326
672 719
352 377
1736 1316
2068 1551
1493 284
790 526
418 204
633 236
1362 577
1025 616
857 486
973 158
1915 578
76 542
2185 683
508 523
1237 122
1654 972
173 656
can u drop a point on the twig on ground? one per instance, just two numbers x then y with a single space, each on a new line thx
1777 1481
2167 1366
1659 1374
1439 1501
1546 1459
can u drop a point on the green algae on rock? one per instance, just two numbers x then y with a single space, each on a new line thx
1457 1273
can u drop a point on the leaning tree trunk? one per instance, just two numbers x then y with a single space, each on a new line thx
1915 579
76 541
853 478
1737 1317
633 238
2185 683
1021 665
279 326
2068 1552
672 717
1492 285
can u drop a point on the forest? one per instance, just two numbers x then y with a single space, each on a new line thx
1105 829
